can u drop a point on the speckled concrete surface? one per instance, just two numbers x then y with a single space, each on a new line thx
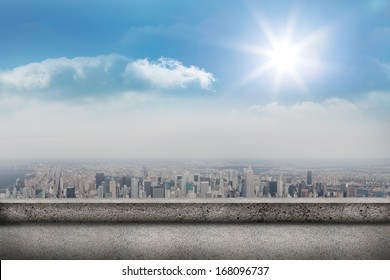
195 241
183 211
195 229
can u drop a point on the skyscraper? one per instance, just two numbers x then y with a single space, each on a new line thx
249 185
134 189
99 179
158 192
60 186
273 188
204 188
309 178
70 192
148 188
280 186
100 192
113 189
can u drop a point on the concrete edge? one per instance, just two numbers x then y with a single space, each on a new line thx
241 200
195 212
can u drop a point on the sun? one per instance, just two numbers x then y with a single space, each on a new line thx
284 57
291 59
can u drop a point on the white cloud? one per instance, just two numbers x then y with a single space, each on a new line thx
331 129
41 75
169 73
308 111
31 76
86 76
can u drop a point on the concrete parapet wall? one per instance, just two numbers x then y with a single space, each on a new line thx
187 211
195 229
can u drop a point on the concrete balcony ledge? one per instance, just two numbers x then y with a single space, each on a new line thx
273 210
195 229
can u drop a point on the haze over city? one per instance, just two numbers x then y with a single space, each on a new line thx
194 79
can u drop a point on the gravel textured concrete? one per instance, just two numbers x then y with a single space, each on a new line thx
183 211
195 229
195 241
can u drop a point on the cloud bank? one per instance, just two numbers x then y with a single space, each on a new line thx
330 129
82 76
169 73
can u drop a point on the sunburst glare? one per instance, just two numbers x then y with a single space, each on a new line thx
289 60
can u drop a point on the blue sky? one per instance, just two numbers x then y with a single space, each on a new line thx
166 69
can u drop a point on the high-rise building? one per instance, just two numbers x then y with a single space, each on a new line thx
25 192
309 178
361 192
184 181
60 186
204 188
100 192
70 192
14 192
158 192
125 191
148 188
280 186
40 193
249 184
99 179
113 189
134 188
273 188
122 181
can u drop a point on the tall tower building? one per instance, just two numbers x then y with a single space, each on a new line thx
273 188
70 192
158 192
184 181
99 179
60 186
249 184
113 189
134 188
280 186
148 188
204 188
309 178
100 192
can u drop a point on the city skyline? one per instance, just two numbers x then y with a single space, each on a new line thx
196 180
198 80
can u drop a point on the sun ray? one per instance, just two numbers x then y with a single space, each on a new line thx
259 71
288 59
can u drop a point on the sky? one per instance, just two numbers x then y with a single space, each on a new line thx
194 79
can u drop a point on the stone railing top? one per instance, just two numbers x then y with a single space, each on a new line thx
361 200
302 210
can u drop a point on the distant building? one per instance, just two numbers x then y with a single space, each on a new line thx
360 192
304 193
125 192
40 193
204 188
99 179
70 192
249 184
158 192
100 192
292 190
134 188
148 188
113 189
280 186
309 178
273 188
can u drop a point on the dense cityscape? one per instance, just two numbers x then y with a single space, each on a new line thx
135 180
